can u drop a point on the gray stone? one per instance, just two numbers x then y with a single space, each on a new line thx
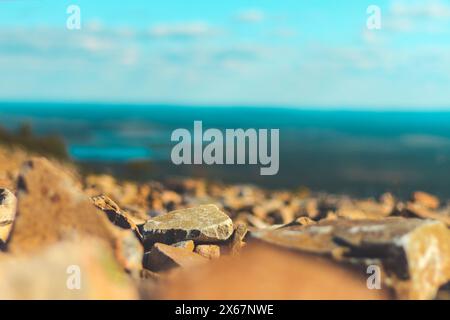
203 224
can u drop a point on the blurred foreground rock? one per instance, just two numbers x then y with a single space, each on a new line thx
81 269
414 253
263 272
52 208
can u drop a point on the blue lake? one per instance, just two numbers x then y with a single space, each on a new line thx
358 152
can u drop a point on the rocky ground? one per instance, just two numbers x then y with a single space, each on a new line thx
192 239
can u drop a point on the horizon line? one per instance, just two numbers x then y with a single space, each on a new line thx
350 108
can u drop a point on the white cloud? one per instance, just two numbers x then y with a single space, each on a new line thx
130 56
285 32
94 44
112 65
251 16
427 9
400 24
429 17
94 25
182 30
371 37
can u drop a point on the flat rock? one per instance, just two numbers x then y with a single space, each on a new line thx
208 251
163 257
8 204
415 253
201 224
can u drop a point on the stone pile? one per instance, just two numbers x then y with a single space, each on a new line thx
196 239
408 240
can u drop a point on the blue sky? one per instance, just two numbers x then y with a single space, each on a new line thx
301 53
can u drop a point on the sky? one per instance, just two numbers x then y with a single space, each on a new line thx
299 53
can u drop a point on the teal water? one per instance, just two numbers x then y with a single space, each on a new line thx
356 152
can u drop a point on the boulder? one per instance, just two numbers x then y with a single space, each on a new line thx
203 224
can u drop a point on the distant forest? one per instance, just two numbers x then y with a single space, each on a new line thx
49 145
